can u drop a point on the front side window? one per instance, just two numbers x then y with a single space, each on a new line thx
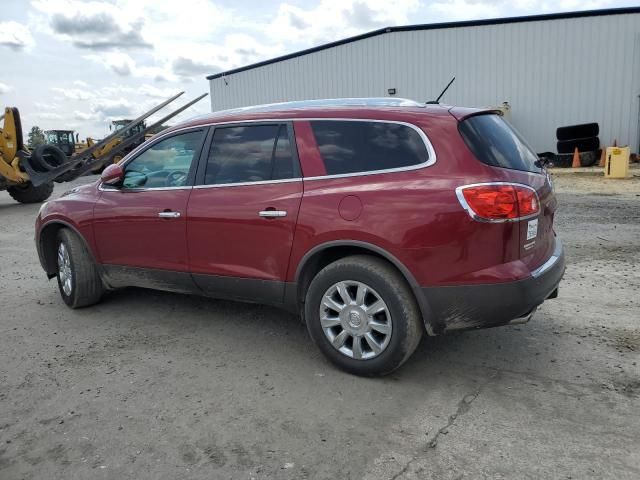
365 146
165 164
253 153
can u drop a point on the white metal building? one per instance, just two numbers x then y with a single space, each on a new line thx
554 70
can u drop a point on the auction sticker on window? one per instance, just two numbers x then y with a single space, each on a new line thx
532 229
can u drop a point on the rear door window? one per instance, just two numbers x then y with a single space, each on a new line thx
494 142
252 153
366 146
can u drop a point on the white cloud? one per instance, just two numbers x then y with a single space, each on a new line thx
171 21
474 9
466 9
48 115
155 92
113 108
93 25
121 63
334 19
196 60
4 88
84 116
46 106
157 74
74 93
15 36
578 4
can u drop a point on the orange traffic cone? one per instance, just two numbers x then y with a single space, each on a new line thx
603 156
576 159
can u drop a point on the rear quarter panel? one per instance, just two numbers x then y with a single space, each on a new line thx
415 216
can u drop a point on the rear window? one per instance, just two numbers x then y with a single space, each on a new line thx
365 146
494 142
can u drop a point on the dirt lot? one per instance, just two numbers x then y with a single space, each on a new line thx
163 386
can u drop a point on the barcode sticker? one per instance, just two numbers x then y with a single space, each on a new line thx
532 229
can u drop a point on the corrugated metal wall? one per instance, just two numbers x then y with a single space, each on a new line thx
553 73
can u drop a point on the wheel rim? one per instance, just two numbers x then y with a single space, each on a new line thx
65 272
356 320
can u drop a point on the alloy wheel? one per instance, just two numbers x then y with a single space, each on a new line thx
356 320
65 272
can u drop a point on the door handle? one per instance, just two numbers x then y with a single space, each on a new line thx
272 213
169 214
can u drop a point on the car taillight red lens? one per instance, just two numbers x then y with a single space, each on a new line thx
527 201
498 202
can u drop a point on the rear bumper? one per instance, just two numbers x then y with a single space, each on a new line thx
490 305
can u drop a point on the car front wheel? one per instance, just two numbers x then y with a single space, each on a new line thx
362 315
78 279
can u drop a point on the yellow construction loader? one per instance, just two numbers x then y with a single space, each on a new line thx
29 176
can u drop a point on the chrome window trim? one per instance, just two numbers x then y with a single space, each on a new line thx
115 189
474 216
431 160
242 184
431 153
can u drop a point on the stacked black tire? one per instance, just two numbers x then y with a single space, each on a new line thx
584 137
43 159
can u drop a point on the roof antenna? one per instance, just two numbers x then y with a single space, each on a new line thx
437 100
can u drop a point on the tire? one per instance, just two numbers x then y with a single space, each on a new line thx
85 286
582 144
384 283
47 157
30 193
578 131
18 125
587 159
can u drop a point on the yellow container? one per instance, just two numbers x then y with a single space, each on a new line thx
617 162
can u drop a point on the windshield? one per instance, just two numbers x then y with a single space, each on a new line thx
494 142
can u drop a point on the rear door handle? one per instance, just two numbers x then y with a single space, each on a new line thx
272 213
169 214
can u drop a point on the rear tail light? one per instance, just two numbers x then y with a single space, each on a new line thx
499 201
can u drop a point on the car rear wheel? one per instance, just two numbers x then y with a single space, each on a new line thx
362 315
78 279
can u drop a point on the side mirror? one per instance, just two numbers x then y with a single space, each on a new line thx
112 175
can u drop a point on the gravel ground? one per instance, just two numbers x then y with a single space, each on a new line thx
164 386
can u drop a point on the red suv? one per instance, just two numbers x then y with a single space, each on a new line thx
375 219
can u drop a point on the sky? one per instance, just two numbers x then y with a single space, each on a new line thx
77 65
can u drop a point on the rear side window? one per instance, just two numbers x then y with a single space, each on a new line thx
252 153
362 146
494 142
